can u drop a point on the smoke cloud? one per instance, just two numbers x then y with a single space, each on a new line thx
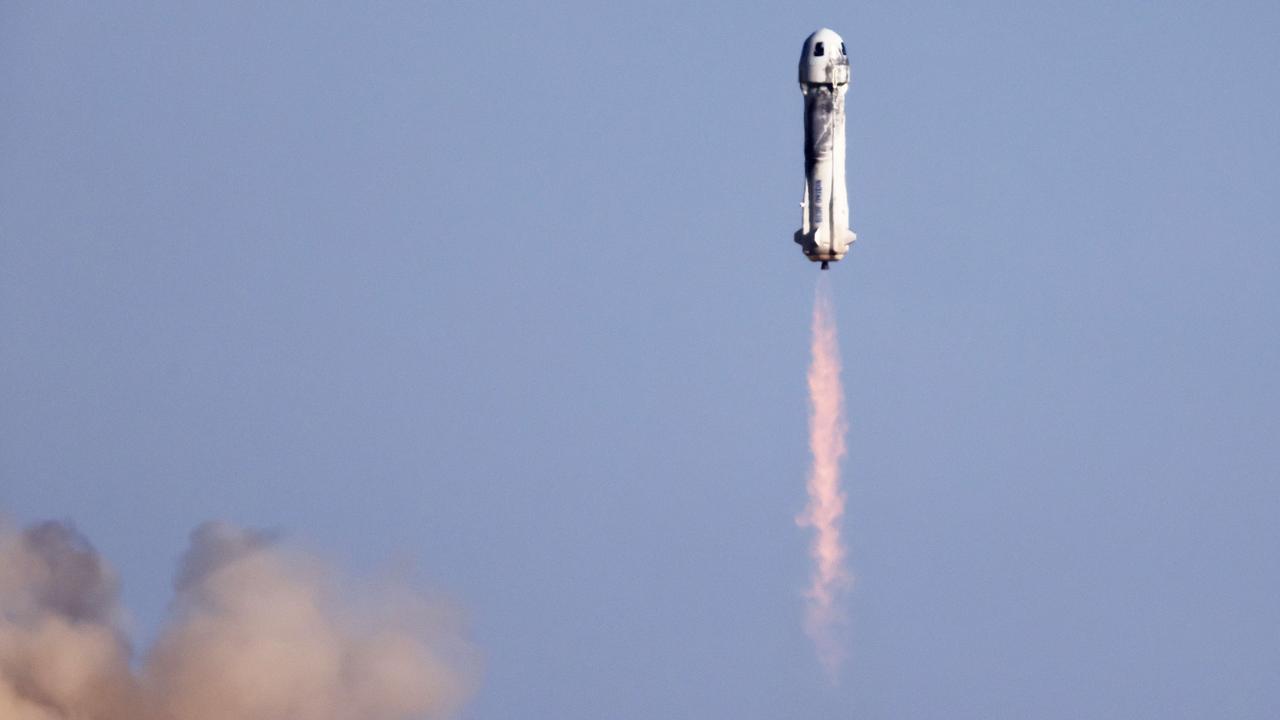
255 633
830 578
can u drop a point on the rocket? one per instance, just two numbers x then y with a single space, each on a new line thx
824 232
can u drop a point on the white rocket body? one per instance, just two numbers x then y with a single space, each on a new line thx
824 232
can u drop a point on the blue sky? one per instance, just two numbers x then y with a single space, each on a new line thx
507 291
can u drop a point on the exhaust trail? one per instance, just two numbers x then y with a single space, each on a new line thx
830 578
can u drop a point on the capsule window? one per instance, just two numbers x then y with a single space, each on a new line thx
818 50
842 52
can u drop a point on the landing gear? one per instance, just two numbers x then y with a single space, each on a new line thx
824 264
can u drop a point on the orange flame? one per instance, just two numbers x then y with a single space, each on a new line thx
827 427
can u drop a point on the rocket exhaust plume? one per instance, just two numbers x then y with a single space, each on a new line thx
255 633
830 579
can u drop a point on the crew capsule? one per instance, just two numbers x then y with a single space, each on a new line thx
824 60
